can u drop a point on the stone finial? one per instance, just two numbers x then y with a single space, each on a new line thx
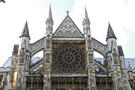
67 12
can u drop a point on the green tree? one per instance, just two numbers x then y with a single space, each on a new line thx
2 1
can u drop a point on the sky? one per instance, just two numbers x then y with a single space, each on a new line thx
119 13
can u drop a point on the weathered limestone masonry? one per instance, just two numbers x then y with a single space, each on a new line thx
115 62
89 52
68 61
48 52
24 59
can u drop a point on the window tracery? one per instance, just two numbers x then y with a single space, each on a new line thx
68 58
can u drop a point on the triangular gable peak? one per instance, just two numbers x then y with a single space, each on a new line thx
68 29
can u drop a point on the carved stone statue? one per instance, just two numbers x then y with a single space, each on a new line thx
22 55
47 57
89 42
115 56
90 57
28 56
92 84
46 83
48 42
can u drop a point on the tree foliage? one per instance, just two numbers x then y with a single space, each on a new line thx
2 1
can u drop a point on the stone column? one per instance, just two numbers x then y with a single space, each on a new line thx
47 62
90 64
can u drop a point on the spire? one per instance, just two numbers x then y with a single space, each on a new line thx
110 33
49 19
86 14
49 22
50 13
86 18
25 32
86 23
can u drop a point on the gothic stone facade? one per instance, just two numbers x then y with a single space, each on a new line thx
68 61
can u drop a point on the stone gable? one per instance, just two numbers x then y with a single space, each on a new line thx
68 29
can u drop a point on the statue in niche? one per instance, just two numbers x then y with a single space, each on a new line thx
48 42
28 59
90 57
22 55
89 42
115 56
109 59
47 57
46 82
28 56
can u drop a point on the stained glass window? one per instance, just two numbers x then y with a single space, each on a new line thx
68 58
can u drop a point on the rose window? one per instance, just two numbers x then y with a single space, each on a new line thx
68 58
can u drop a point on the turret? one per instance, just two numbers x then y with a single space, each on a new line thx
49 23
25 37
111 39
86 24
24 47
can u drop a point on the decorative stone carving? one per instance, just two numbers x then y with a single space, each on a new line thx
68 58
24 44
89 43
28 55
115 56
90 57
46 82
47 58
22 55
48 40
109 59
92 84
68 29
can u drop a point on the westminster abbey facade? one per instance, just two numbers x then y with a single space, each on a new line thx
68 61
